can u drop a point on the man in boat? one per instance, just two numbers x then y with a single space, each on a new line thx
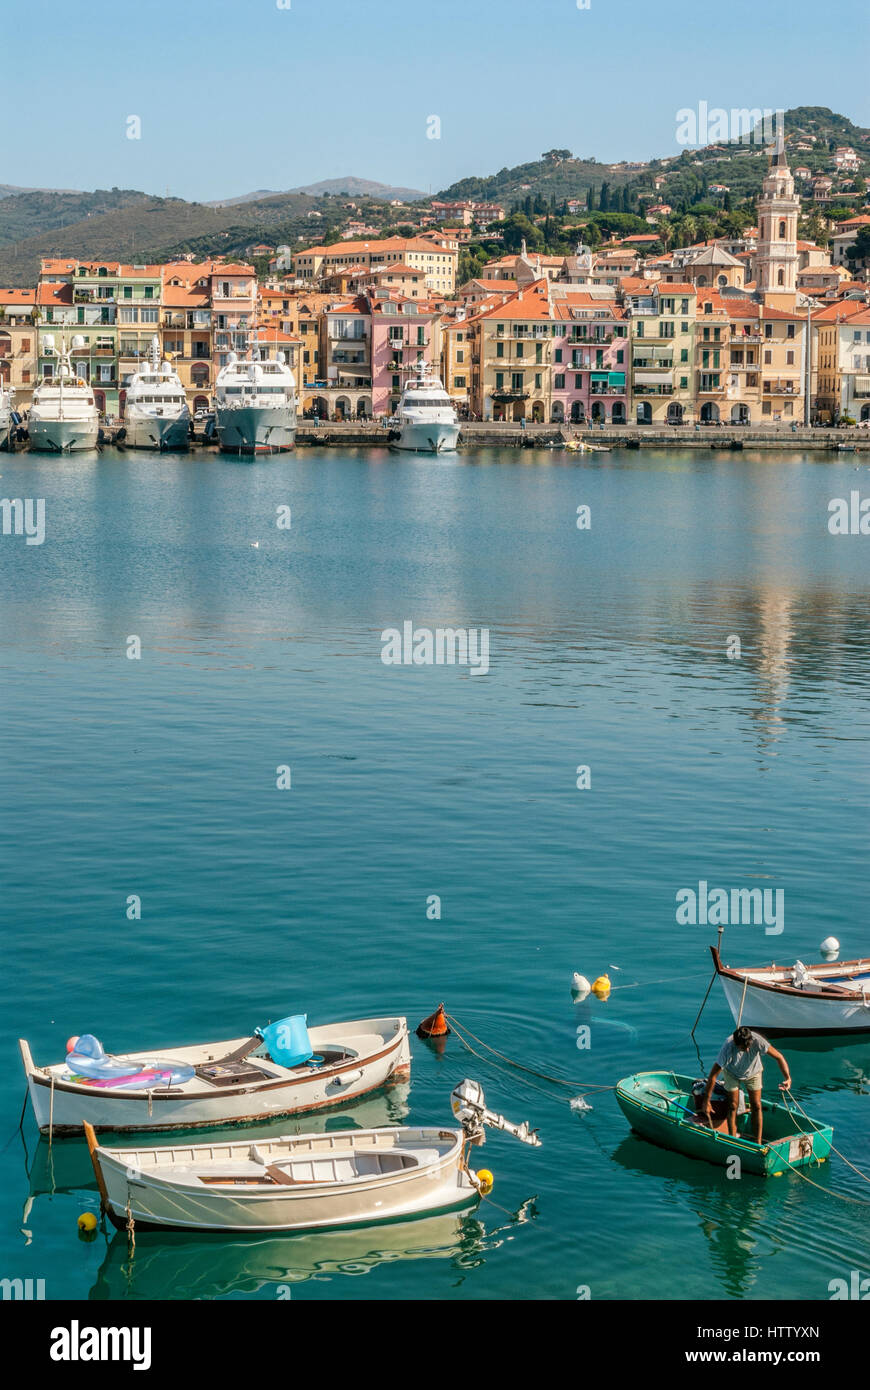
740 1064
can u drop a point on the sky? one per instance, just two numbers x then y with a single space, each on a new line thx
238 95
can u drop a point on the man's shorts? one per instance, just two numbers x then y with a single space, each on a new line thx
733 1083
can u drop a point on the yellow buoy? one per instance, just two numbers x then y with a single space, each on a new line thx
485 1179
601 986
87 1221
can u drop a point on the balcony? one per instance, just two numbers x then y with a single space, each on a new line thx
781 388
510 393
653 391
655 364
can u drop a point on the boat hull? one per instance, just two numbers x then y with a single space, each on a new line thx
62 436
255 430
382 1056
157 432
154 1196
428 438
782 1010
645 1103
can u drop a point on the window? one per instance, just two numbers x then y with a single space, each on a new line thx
557 354
578 382
684 383
517 381
768 330
789 332
768 357
782 231
559 381
789 358
460 355
128 291
499 380
499 349
684 354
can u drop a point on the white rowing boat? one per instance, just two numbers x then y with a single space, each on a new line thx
302 1182
798 998
217 1083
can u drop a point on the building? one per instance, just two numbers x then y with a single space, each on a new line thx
845 237
18 344
662 331
776 260
842 362
187 329
438 263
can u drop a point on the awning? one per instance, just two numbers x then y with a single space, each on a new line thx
599 376
660 378
616 379
862 385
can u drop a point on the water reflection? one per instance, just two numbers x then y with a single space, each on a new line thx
213 1266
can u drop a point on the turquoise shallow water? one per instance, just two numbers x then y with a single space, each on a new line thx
608 648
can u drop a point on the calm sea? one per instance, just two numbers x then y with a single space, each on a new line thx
260 648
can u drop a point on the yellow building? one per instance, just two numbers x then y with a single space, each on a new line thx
18 348
438 263
187 330
663 366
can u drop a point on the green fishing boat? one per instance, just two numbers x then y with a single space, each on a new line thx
660 1106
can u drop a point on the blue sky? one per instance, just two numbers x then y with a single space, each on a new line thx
235 95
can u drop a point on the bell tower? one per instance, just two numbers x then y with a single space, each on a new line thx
778 209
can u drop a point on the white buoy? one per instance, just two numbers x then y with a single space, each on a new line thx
830 948
580 986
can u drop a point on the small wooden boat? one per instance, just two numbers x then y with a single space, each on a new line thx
217 1083
300 1182
786 999
660 1106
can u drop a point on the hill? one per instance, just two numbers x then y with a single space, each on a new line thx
561 175
351 185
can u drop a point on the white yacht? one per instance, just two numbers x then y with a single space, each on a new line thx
255 403
155 411
63 415
425 420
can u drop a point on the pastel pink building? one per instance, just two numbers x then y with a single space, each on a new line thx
404 332
590 360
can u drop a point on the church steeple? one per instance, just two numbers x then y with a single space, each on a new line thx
778 211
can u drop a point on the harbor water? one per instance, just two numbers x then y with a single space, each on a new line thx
160 888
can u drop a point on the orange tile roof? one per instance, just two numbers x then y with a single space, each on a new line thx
50 294
530 303
15 296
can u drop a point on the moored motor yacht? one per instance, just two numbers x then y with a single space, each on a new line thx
63 415
156 414
255 403
425 420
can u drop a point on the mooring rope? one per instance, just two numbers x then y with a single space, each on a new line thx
520 1066
817 1130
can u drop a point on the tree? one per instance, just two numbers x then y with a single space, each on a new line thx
556 156
604 197
590 198
518 228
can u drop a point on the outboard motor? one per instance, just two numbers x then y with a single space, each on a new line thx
469 1107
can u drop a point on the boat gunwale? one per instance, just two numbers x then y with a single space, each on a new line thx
749 976
303 1189
42 1076
762 1150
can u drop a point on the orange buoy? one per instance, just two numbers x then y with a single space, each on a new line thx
435 1026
